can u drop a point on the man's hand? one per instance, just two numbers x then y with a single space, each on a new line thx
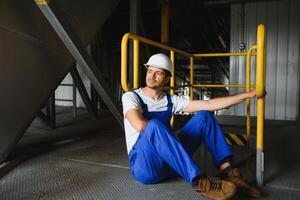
252 93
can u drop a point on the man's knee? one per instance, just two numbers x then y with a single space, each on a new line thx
146 178
203 114
203 117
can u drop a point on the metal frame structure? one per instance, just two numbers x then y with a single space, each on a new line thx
71 40
49 119
83 93
73 100
260 80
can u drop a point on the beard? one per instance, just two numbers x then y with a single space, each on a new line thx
153 87
152 84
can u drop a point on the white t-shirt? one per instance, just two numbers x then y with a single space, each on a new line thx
131 101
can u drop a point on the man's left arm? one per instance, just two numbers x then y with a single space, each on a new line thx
218 103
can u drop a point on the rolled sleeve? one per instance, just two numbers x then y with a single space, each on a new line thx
179 103
130 101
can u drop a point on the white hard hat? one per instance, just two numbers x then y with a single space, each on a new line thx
160 60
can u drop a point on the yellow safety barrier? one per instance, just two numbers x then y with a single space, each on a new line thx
124 55
236 139
257 50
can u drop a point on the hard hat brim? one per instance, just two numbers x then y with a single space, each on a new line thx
147 65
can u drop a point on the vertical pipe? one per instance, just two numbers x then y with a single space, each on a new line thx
248 88
124 79
135 64
260 89
191 77
248 82
248 105
165 13
259 150
172 81
133 28
172 56
260 85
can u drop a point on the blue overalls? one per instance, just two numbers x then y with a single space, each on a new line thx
157 153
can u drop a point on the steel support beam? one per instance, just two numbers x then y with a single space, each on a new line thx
71 40
133 28
83 93
74 99
44 119
52 111
48 119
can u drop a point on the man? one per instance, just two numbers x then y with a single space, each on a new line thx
154 151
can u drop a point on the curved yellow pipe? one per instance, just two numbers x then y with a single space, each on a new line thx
260 80
124 81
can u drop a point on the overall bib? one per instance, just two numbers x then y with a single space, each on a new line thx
157 153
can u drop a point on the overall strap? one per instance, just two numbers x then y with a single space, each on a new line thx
170 104
144 106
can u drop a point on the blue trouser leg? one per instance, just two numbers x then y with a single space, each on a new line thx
203 126
155 151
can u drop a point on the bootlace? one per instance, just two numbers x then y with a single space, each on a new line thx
236 173
215 185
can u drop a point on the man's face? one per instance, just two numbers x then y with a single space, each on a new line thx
156 77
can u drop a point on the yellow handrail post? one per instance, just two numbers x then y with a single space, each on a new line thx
248 104
260 92
248 88
172 81
191 77
136 71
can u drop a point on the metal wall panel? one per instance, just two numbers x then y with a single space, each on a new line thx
272 63
236 34
281 19
293 99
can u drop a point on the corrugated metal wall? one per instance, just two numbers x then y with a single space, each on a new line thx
281 19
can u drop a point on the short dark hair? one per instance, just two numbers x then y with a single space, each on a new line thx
167 73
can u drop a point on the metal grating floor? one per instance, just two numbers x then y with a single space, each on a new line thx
95 167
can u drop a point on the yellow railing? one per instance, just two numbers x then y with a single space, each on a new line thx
136 40
257 50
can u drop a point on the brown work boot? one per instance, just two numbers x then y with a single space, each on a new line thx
215 189
243 186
